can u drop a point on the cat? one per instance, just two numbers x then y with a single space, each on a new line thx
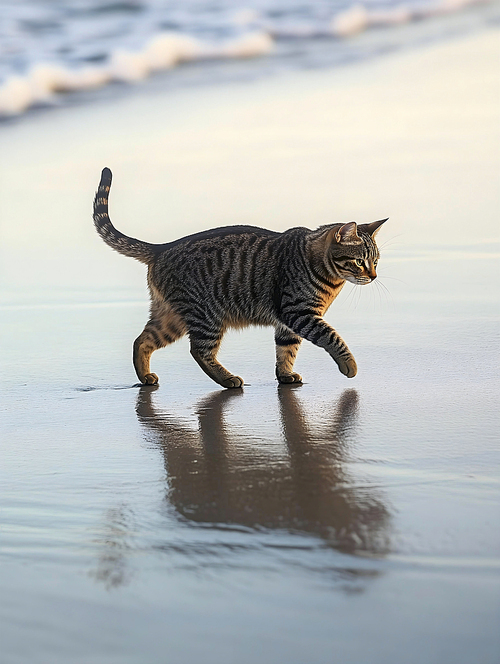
236 276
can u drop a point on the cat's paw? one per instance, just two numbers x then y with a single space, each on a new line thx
150 379
290 378
232 381
347 366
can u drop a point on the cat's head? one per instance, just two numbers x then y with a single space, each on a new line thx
352 252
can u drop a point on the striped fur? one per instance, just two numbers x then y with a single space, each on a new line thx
128 246
235 276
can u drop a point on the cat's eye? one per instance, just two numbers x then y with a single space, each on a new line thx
359 262
375 262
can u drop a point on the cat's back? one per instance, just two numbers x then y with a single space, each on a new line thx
236 270
237 264
221 235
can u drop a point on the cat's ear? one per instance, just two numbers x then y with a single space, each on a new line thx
373 228
347 234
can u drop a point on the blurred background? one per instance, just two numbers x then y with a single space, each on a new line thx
52 47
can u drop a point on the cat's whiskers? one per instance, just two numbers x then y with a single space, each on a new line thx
356 294
377 291
358 299
386 276
350 297
383 289
390 241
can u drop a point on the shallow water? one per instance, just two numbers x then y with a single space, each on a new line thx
275 522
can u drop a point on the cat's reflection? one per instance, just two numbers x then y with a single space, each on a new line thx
215 476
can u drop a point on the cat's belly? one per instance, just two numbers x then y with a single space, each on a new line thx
241 320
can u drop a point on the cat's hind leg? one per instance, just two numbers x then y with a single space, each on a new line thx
287 346
163 328
204 347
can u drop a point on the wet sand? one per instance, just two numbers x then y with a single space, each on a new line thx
341 520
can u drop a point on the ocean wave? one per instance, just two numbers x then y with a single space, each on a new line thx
162 52
358 18
45 81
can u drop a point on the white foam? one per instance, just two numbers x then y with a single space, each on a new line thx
46 79
162 52
248 46
350 22
41 83
358 18
128 66
18 93
15 96
166 50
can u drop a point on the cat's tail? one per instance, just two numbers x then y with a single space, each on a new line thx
128 246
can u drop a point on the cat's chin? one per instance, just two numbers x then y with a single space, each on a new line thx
358 282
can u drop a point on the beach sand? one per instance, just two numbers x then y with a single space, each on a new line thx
341 520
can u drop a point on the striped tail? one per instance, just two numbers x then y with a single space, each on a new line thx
128 246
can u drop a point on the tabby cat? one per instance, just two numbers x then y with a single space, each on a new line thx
235 276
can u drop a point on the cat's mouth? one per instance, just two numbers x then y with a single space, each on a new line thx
359 281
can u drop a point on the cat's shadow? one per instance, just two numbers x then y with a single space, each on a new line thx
216 475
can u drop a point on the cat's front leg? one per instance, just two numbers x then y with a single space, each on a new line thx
312 327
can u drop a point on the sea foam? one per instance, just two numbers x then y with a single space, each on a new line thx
45 80
162 52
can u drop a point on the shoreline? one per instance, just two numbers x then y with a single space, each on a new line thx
51 80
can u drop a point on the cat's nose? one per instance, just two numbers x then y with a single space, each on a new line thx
373 276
